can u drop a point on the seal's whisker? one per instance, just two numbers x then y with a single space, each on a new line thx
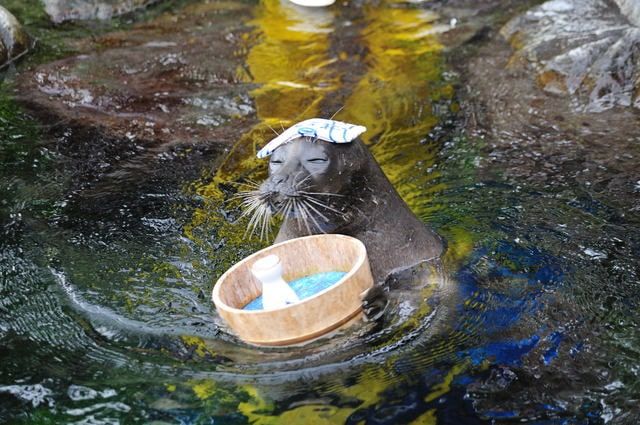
304 205
251 211
237 197
265 225
250 201
248 183
261 211
316 201
322 204
250 205
249 198
321 193
252 181
314 209
301 182
286 208
254 219
244 201
294 209
248 230
337 112
306 218
303 215
275 132
245 194
297 184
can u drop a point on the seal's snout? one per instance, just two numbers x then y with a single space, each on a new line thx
279 179
275 191
275 202
279 187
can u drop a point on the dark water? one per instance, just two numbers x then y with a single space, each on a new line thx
105 312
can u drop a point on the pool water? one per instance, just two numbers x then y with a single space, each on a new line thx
123 143
305 287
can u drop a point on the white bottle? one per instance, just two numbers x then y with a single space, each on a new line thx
276 292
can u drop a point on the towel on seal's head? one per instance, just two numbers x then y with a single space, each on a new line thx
317 129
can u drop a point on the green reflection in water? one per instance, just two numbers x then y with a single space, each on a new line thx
292 60
289 60
395 100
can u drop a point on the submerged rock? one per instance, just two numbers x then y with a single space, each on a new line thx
66 10
14 41
143 97
588 49
577 167
553 141
172 81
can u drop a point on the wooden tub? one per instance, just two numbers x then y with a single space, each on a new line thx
309 318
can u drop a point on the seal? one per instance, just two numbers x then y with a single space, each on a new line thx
321 187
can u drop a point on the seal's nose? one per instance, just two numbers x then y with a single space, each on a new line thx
279 179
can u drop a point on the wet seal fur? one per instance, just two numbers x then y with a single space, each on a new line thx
322 187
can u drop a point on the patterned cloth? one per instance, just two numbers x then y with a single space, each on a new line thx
315 128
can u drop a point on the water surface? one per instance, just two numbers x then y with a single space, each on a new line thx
105 312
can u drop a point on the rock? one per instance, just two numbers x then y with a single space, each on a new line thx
551 138
554 148
630 9
587 49
14 41
66 10
167 82
142 98
547 142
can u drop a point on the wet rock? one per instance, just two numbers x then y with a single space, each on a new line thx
66 10
630 9
171 81
14 41
162 93
549 141
588 49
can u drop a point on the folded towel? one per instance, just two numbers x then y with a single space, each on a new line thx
315 128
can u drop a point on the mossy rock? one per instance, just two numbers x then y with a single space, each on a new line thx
14 41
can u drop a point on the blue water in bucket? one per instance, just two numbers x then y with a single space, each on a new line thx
305 287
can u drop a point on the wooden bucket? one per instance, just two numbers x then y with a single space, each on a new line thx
309 318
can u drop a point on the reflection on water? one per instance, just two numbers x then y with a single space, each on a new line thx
108 319
289 60
396 97
316 70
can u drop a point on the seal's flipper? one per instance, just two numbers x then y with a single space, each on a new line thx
374 303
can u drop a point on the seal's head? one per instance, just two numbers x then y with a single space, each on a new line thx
302 167
309 181
323 179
